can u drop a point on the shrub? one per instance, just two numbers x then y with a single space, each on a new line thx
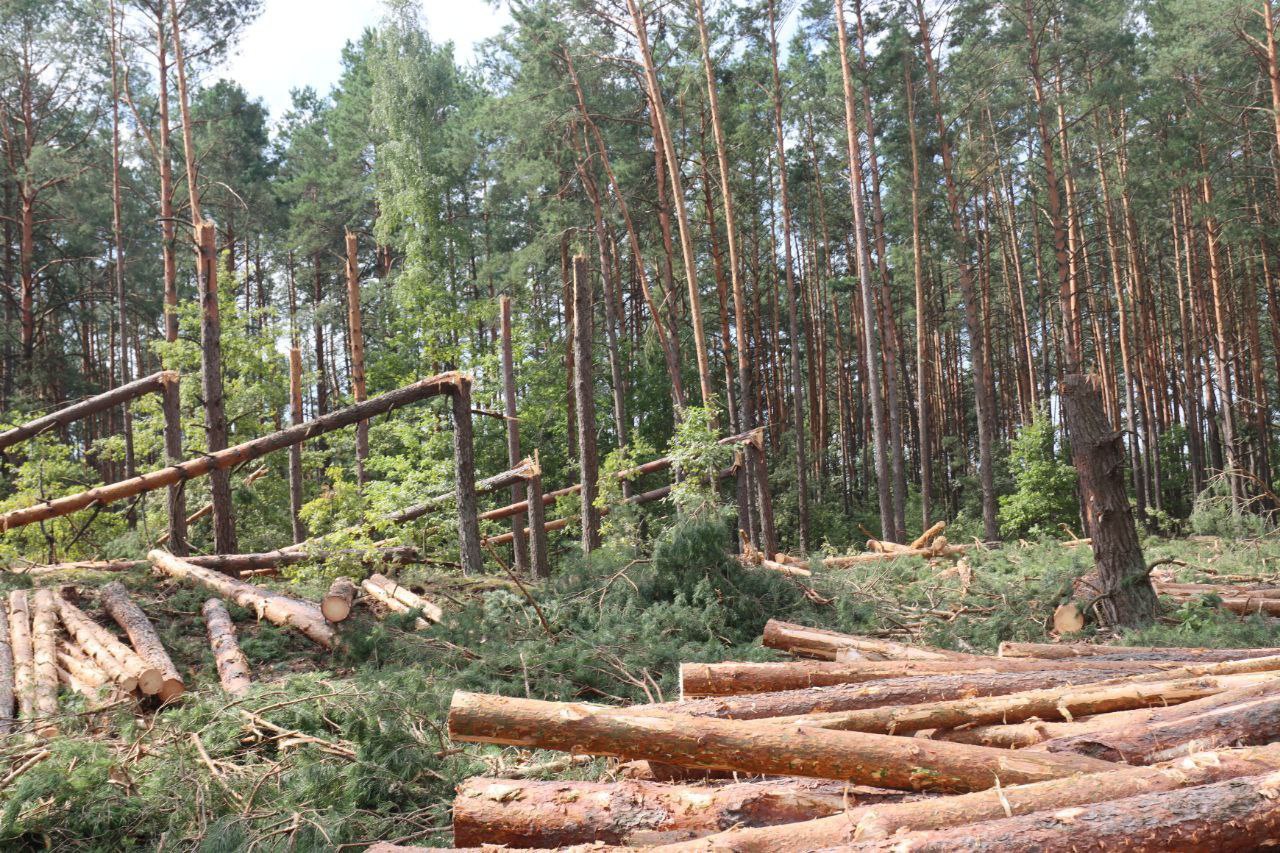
1045 486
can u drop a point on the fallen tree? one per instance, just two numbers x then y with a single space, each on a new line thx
446 383
233 666
751 747
142 634
254 476
522 813
235 563
91 406
277 608
884 821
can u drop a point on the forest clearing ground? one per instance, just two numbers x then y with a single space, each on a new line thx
352 747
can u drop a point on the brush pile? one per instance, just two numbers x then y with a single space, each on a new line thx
869 744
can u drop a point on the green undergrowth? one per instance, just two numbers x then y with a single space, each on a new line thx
352 747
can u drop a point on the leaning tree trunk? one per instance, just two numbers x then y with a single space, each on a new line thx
1097 451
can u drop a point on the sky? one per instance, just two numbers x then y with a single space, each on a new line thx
296 43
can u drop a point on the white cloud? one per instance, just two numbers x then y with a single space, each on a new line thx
296 43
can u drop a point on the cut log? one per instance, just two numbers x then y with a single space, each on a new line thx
336 604
125 666
235 563
446 383
83 409
520 813
1058 703
81 667
1226 590
233 667
1068 618
24 684
751 747
822 644
44 642
6 671
923 539
887 820
142 634
733 679
1239 814
1246 723
887 694
397 599
277 608
1060 651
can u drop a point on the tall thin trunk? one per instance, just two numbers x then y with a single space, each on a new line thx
922 313
295 411
215 417
513 432
356 333
117 239
584 382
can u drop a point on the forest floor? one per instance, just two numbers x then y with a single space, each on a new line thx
339 749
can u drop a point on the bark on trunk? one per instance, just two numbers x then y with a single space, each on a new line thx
336 604
152 384
6 671
521 813
584 395
819 643
1238 814
1097 451
1064 651
356 330
123 664
214 400
885 821
233 667
389 592
464 477
277 608
520 545
44 642
446 383
751 747
129 616
23 653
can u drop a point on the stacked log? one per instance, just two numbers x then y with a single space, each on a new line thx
1066 751
399 599
6 671
126 668
129 616
24 685
233 666
44 641
336 604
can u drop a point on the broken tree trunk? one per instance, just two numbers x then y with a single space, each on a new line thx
142 634
233 667
521 547
883 821
923 539
336 604
1062 651
521 813
234 563
44 667
1097 450
211 386
1231 815
518 473
355 331
750 747
91 406
822 644
446 383
887 694
400 600
464 478
733 679
23 653
123 664
6 671
277 608
537 531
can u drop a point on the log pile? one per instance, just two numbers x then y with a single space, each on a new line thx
865 744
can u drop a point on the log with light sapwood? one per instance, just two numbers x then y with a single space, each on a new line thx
125 666
445 383
923 539
24 685
235 563
336 604
887 693
732 679
518 474
522 813
886 820
6 671
44 667
233 667
77 411
277 608
1247 605
407 597
783 568
86 672
1246 723
1059 651
1224 590
142 634
1057 703
751 747
388 599
1239 814
820 643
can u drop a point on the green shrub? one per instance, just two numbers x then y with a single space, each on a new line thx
1045 486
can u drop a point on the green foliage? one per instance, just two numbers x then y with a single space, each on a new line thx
698 457
1045 493
1215 514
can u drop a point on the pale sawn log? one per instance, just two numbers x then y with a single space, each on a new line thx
6 671
336 604
125 666
750 746
445 383
142 634
1059 651
407 597
822 644
277 608
44 642
24 685
233 666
